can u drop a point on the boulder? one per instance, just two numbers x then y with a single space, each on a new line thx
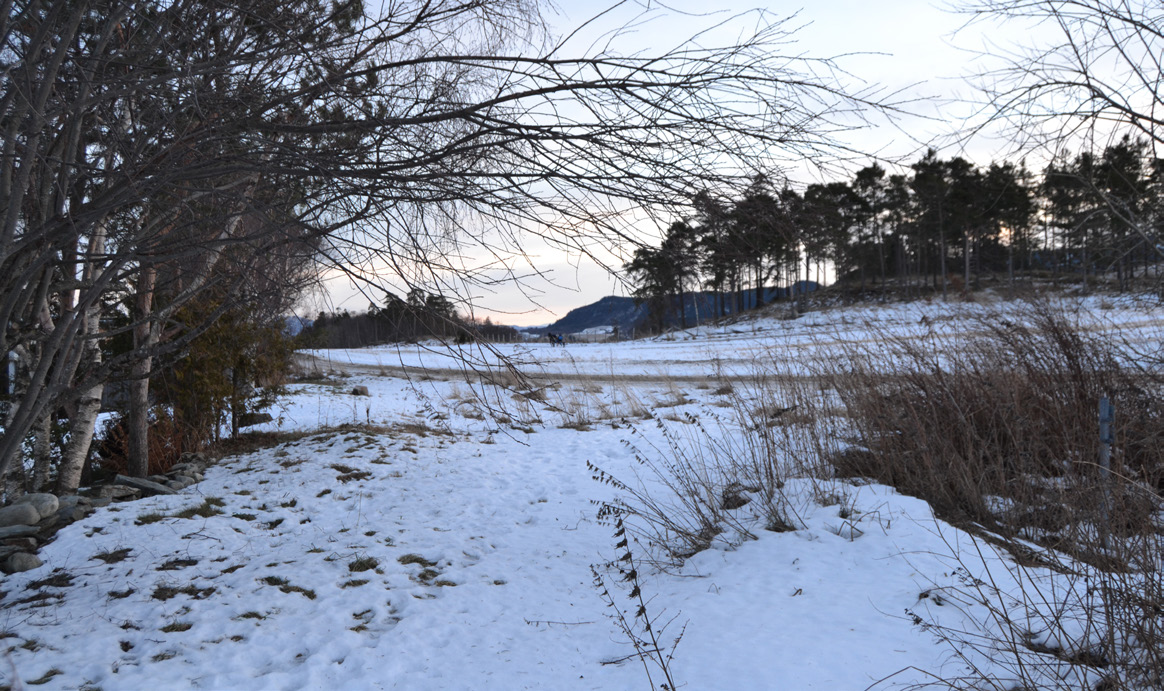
195 457
46 504
22 561
360 391
22 544
19 514
249 419
72 514
180 482
117 493
70 500
15 531
149 487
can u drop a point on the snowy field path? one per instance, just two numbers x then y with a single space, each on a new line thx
735 351
411 542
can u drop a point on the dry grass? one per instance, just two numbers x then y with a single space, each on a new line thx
999 433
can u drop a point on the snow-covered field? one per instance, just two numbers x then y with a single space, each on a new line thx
426 545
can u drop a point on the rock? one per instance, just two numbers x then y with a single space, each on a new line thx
22 561
180 482
14 531
72 514
199 477
360 391
117 493
149 487
195 457
21 544
160 479
19 514
249 419
99 502
46 504
70 500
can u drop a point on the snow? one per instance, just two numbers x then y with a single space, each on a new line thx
483 532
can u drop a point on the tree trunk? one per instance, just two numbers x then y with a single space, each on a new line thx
81 430
942 263
42 452
966 261
139 385
82 424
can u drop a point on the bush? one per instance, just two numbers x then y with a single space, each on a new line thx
1000 427
998 430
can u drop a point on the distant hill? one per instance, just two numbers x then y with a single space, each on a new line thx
623 310
607 311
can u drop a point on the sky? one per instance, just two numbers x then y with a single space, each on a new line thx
916 51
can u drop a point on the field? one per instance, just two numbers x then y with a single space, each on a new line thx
600 516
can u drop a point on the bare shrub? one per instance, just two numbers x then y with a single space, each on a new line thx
1008 413
998 431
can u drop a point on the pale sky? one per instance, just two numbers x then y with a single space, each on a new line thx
911 47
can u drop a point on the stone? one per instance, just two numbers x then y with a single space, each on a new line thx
195 457
71 500
22 561
72 514
14 531
118 493
46 504
22 544
99 502
160 479
148 487
19 514
249 419
360 391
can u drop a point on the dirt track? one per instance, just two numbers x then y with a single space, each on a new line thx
467 373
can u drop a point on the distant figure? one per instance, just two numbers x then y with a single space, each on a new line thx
555 339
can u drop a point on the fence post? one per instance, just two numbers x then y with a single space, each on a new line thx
1106 418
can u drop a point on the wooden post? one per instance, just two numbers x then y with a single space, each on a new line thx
1106 418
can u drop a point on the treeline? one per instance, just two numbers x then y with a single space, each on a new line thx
944 223
421 315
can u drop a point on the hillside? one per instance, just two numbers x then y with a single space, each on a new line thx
629 315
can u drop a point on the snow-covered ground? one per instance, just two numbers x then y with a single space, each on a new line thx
732 349
425 545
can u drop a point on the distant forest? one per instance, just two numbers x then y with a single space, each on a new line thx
944 225
421 315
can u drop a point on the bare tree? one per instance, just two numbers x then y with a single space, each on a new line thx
138 137
1090 77
1092 68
